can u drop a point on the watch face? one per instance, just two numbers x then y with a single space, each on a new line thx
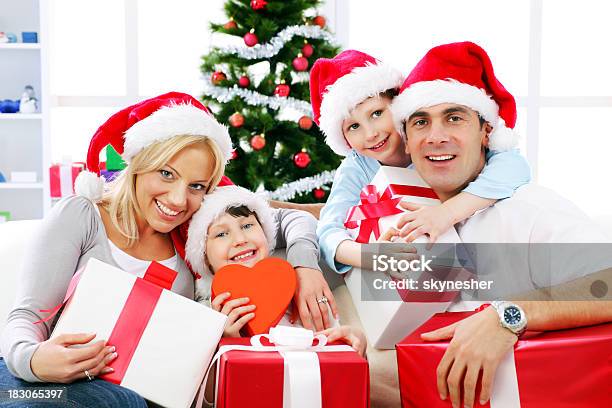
512 315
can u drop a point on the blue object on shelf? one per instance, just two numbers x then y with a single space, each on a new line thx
2 179
9 106
12 38
29 36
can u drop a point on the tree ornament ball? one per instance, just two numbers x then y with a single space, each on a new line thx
318 193
236 120
282 90
301 159
250 39
258 142
320 21
234 154
258 4
300 63
230 25
307 50
305 122
244 81
217 77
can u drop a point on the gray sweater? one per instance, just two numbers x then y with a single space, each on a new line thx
69 236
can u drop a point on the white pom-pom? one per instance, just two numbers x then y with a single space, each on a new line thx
89 185
503 138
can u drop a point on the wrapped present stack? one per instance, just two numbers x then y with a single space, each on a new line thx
388 321
113 165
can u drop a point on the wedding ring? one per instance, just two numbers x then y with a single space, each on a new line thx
89 376
322 300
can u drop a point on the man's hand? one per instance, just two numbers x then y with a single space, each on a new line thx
424 220
312 286
478 343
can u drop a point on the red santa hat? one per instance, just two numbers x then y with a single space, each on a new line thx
460 73
213 206
339 84
136 127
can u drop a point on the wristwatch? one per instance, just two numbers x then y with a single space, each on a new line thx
511 316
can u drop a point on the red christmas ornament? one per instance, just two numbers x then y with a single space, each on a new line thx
217 77
234 154
318 193
258 142
300 63
307 50
319 20
230 25
244 81
236 120
250 39
305 122
282 89
258 4
301 159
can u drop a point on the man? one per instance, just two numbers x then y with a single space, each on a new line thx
448 108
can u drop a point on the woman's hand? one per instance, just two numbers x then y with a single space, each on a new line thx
238 312
350 335
424 220
54 361
478 344
311 288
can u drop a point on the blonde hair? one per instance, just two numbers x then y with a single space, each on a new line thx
119 197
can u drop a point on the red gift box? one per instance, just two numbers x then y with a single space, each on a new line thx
62 177
259 379
563 368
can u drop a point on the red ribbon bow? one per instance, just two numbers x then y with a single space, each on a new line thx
366 215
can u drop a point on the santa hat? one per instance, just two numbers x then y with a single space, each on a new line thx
339 84
460 73
136 127
213 206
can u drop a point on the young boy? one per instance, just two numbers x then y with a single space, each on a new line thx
351 97
235 226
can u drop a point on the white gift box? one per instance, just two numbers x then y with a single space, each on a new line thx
386 322
168 359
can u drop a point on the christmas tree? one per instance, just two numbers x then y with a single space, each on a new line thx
259 87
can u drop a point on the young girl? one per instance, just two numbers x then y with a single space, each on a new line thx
351 96
238 227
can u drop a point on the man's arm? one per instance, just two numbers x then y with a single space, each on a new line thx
314 209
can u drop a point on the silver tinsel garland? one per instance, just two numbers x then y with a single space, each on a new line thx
303 185
277 42
224 95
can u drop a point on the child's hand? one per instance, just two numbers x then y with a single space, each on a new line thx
424 220
312 286
237 314
350 335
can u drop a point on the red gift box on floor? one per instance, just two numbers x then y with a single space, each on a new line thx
257 379
563 368
62 177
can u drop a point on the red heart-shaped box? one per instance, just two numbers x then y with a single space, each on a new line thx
270 285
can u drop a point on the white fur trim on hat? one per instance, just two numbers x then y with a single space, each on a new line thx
213 206
89 185
430 93
175 120
348 92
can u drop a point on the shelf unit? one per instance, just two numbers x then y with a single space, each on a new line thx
24 138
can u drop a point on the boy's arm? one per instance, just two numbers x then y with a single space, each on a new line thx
503 173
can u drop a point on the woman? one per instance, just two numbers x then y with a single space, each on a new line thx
175 153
